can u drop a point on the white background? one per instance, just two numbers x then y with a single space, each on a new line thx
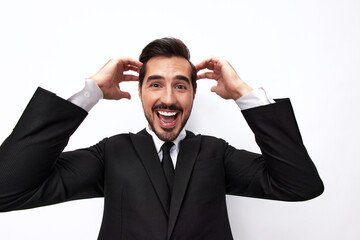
306 50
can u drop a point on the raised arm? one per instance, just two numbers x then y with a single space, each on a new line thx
284 171
33 170
30 169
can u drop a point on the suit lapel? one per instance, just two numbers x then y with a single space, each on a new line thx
145 148
189 149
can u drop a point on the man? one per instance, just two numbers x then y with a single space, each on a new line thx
145 198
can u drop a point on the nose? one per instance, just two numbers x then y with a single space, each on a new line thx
168 96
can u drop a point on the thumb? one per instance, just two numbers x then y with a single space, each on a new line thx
213 88
125 95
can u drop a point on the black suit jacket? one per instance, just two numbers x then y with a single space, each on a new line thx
126 171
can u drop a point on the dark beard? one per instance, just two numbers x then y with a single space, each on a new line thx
169 130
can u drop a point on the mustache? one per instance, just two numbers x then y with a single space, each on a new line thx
166 107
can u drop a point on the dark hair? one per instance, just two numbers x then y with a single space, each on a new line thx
168 47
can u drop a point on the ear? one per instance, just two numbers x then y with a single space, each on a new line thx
139 90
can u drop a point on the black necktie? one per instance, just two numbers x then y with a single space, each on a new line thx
167 164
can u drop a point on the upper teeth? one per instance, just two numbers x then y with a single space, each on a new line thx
167 113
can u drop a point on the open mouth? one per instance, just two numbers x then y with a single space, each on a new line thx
167 119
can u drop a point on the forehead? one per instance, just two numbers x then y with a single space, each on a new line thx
168 66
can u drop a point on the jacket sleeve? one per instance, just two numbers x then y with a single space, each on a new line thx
34 171
284 171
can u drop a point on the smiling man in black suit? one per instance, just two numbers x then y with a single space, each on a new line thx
163 182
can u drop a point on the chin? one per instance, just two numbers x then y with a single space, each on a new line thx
167 134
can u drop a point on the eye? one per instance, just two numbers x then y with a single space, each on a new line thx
156 85
180 86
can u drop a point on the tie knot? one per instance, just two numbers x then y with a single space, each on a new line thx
166 147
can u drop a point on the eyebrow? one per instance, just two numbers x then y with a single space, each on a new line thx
178 77
182 77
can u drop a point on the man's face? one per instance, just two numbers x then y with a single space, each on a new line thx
167 95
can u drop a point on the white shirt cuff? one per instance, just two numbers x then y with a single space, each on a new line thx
255 98
88 96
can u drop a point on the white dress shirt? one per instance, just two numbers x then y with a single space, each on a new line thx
174 150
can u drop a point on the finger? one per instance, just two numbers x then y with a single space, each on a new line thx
132 63
208 63
208 75
127 63
202 65
129 78
132 68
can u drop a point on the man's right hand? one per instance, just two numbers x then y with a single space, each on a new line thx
109 77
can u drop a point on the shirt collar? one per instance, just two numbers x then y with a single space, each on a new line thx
158 142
